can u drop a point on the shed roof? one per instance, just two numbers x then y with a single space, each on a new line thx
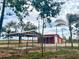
27 34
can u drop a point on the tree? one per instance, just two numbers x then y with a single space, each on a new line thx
10 25
14 25
77 30
20 9
8 30
29 27
64 37
38 23
21 25
72 18
47 9
18 6
3 29
2 15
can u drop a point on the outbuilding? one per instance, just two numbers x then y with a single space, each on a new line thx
51 39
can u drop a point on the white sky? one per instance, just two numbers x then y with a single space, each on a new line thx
70 6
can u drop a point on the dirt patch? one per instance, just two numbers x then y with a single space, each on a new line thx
6 53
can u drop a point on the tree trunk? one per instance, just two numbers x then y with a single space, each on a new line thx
62 33
27 45
70 29
57 39
65 43
20 39
2 15
38 26
78 44
8 41
32 42
42 38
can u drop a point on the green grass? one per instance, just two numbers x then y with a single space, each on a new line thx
37 55
72 56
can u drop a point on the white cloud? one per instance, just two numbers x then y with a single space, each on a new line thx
70 6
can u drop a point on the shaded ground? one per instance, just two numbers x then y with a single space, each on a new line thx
60 54
9 51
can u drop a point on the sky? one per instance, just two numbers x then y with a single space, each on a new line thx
70 6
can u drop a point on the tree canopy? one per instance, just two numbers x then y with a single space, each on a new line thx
19 7
29 26
47 7
72 18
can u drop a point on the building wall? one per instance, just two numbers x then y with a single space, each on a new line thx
50 39
56 39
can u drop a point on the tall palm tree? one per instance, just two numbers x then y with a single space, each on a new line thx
72 18
77 26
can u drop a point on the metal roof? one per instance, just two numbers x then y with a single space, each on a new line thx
24 34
